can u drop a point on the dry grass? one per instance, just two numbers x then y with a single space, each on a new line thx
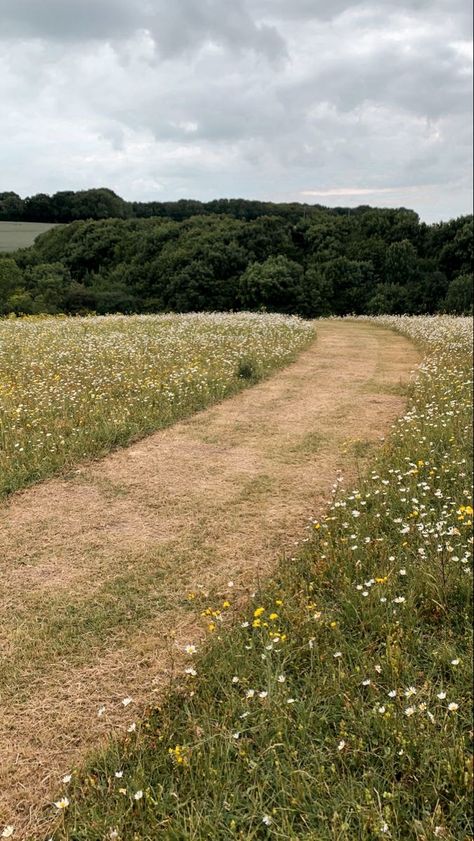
95 569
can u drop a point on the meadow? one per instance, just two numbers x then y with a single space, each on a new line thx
75 388
337 704
14 235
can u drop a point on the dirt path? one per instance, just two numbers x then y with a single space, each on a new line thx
95 569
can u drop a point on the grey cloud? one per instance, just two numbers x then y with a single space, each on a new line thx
68 19
325 11
260 98
180 26
426 81
220 110
176 27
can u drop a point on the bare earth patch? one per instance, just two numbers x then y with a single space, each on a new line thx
95 568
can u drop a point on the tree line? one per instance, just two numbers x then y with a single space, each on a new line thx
233 254
102 203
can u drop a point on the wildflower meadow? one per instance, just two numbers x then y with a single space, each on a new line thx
74 388
337 703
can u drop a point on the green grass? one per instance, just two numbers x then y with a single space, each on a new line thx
338 707
14 235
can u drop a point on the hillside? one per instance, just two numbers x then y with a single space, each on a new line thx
232 255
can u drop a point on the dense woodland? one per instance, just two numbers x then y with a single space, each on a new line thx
229 254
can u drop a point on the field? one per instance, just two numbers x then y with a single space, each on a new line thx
326 698
75 388
14 235
339 707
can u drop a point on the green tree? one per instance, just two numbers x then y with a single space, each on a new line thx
459 298
100 203
21 303
351 282
265 237
11 279
111 295
401 263
11 207
388 299
317 294
63 205
276 285
38 208
192 288
369 250
79 299
432 287
323 240
48 284
457 255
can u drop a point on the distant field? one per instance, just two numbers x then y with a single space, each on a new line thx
15 235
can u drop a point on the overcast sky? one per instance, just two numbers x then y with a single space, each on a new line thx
336 102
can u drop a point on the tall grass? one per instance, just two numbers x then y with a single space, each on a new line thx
72 388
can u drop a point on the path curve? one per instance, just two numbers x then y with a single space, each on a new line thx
94 569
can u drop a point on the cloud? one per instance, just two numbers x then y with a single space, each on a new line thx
326 11
177 27
272 100
348 192
68 20
184 24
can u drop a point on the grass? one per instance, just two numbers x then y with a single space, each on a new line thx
14 235
338 706
66 629
74 388
96 567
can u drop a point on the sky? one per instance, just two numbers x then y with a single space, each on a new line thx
335 102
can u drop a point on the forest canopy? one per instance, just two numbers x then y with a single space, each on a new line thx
109 255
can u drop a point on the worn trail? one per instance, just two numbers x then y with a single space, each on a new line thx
95 568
